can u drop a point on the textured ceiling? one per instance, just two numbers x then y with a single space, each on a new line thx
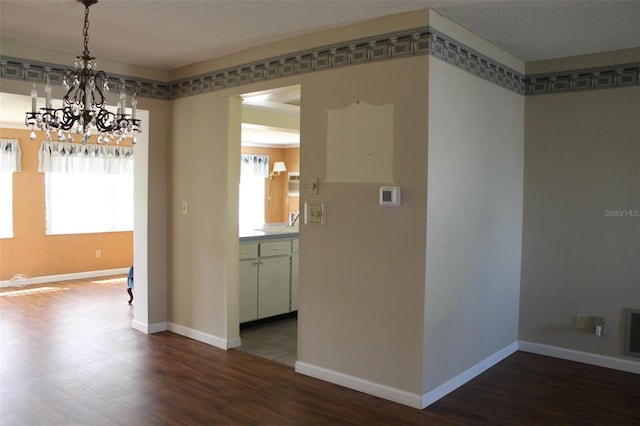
167 34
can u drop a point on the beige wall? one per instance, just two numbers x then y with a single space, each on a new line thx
151 222
346 320
474 220
384 25
362 275
198 240
582 158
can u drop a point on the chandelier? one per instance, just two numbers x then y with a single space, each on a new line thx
83 107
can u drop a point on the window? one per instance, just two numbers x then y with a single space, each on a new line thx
79 203
251 202
6 204
253 170
10 162
89 188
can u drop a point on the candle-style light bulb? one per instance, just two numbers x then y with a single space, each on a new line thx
47 90
134 106
123 100
34 98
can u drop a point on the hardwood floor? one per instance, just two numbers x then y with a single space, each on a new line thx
70 357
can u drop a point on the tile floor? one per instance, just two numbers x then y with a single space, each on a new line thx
277 341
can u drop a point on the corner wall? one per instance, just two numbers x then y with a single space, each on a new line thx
581 231
474 218
362 275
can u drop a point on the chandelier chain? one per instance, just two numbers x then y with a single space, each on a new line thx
85 31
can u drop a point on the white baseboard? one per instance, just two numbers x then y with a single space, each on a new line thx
462 378
149 328
209 339
621 364
62 277
356 383
233 343
398 395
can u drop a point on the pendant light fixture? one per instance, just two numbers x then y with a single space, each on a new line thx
83 106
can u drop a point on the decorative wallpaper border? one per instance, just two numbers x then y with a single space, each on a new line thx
421 41
37 72
580 80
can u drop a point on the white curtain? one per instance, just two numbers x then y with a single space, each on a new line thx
254 165
90 158
10 156
254 169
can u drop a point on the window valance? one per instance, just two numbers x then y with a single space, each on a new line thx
90 158
254 165
10 155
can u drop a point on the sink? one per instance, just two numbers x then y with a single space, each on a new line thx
282 229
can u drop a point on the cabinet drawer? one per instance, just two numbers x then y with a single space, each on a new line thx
294 246
275 248
248 251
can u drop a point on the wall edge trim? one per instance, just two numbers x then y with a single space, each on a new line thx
467 375
203 337
628 365
149 328
356 383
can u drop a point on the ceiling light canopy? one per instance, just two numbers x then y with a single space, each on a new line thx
83 106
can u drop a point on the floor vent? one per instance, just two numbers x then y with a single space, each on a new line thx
632 333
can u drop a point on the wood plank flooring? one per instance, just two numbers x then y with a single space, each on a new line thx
70 357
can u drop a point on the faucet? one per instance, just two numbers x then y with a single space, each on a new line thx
293 217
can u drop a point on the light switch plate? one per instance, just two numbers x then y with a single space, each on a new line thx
314 213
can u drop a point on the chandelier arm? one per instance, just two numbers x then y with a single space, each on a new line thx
100 75
105 121
67 121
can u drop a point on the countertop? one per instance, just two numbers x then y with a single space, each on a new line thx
269 232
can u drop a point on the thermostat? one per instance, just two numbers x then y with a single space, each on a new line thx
389 195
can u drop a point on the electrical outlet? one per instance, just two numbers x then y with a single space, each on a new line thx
98 254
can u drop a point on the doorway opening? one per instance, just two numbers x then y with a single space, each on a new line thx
12 117
268 208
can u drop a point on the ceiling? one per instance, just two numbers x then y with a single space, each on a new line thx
168 34
256 109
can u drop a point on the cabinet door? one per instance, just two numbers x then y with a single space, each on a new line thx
294 281
248 290
273 286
